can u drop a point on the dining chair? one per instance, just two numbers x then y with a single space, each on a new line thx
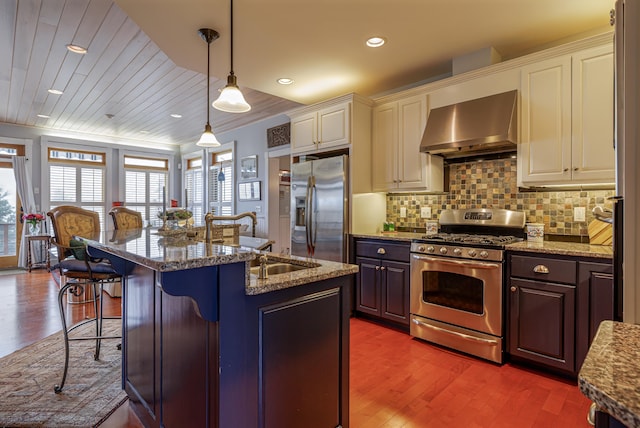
125 218
80 274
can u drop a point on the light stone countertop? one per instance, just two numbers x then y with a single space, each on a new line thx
564 249
545 247
390 236
319 270
610 374
164 254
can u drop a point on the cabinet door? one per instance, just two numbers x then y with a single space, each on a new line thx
542 323
412 169
593 156
395 291
334 126
303 133
285 360
385 147
368 286
544 153
595 304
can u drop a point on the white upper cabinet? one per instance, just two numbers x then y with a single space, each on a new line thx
342 123
321 129
398 163
566 133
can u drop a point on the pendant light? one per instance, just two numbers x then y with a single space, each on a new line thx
231 99
221 176
208 139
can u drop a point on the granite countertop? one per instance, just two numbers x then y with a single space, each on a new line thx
390 236
610 375
318 270
167 253
164 254
564 248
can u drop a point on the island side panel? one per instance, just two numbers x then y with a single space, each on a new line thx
189 351
251 349
141 350
170 364
300 368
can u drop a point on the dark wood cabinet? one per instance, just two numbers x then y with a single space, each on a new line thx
596 304
555 305
382 284
542 322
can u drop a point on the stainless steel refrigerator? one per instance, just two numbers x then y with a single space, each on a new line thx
319 208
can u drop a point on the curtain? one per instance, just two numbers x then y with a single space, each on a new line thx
25 192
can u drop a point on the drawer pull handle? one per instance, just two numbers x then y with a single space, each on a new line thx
513 288
381 251
541 269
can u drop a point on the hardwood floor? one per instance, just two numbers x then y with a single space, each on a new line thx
396 381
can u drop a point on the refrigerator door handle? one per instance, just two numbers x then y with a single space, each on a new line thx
309 214
314 229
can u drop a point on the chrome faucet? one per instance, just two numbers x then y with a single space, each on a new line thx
263 273
208 221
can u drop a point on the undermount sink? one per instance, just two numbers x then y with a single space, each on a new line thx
275 267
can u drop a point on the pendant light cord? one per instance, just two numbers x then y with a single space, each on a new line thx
231 2
208 65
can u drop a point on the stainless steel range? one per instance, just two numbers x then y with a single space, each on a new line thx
457 280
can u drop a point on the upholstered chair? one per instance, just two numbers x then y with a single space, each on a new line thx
80 274
125 218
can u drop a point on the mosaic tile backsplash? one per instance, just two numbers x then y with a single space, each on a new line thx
493 184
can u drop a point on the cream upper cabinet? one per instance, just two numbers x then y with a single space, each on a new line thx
567 120
343 124
321 129
397 161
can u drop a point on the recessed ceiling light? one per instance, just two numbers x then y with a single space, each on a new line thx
144 132
55 91
375 42
43 116
285 81
175 115
76 49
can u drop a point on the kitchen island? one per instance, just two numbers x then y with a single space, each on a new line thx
207 343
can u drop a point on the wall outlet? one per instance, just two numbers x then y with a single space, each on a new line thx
579 214
403 212
425 212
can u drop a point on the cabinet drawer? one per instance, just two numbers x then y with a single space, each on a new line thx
544 269
383 250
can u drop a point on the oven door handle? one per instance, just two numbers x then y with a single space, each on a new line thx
457 334
473 264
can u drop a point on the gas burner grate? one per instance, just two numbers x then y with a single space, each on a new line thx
466 238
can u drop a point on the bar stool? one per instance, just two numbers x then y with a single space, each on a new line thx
79 271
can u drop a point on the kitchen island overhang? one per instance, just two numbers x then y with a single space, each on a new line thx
208 343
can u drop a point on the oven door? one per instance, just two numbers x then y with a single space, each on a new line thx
464 293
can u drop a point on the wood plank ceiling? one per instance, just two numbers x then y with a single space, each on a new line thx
124 88
145 60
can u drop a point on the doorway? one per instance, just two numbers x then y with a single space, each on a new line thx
10 208
279 203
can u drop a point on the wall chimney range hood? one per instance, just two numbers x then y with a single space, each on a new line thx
473 128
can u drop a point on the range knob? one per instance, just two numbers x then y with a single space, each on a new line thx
484 254
431 249
421 248
457 251
443 250
472 253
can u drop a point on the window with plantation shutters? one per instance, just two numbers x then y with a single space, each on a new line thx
193 185
221 191
144 179
77 178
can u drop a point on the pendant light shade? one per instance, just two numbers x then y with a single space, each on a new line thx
208 139
231 99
